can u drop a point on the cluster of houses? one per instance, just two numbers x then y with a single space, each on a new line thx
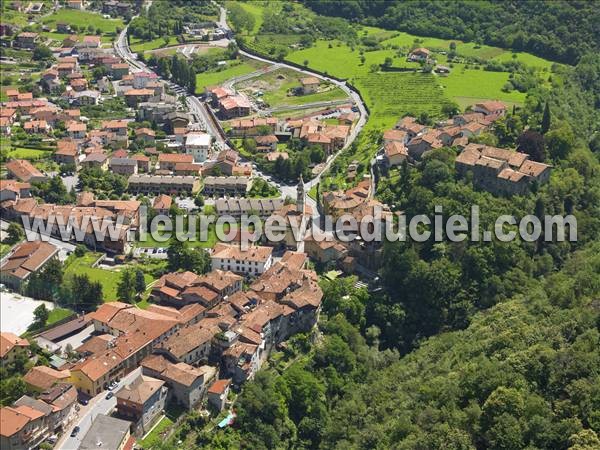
201 335
497 170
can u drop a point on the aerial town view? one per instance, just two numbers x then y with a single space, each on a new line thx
300 224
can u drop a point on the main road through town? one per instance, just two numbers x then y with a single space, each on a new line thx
97 405
198 108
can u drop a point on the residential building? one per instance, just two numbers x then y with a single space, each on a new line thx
491 107
23 170
167 161
501 171
66 152
42 378
95 160
25 259
235 207
11 346
234 106
187 384
227 186
26 39
22 427
145 135
218 392
162 204
123 166
198 145
254 126
142 402
252 261
419 54
108 433
158 184
310 85
14 190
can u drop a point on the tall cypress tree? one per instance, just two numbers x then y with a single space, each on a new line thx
546 119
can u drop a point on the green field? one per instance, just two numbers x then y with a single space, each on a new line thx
58 314
137 45
467 86
26 153
83 18
214 78
391 95
276 88
107 278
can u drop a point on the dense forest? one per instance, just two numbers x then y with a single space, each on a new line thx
560 30
470 345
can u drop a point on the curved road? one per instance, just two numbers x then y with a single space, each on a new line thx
198 108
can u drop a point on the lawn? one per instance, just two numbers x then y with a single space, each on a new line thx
137 45
277 85
214 78
467 86
26 153
209 242
155 436
58 314
83 18
107 278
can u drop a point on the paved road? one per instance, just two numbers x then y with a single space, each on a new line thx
198 108
97 405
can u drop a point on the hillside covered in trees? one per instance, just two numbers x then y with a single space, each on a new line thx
559 30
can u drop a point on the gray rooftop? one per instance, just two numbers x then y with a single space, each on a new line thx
106 432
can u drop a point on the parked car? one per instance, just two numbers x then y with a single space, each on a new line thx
84 401
75 431
109 396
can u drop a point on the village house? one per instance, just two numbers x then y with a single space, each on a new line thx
123 166
411 127
253 261
218 393
95 160
143 163
142 402
76 130
501 171
22 427
108 432
254 126
42 378
424 143
214 95
419 54
187 384
23 170
26 39
14 190
145 135
266 143
11 346
66 152
395 153
135 96
310 85
36 127
167 161
490 107
83 98
234 106
198 145
162 204
188 169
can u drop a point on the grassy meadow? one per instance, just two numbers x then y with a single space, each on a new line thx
83 18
